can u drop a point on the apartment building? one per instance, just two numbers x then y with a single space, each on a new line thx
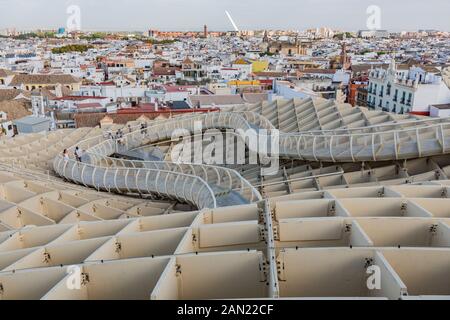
407 89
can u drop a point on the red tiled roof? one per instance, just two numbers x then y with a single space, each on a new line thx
321 71
88 105
80 98
171 88
93 119
274 74
164 71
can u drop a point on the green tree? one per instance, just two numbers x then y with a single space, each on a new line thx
71 48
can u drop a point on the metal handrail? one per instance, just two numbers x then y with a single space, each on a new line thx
305 146
225 177
203 197
379 127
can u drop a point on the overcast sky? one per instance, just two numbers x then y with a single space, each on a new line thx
396 15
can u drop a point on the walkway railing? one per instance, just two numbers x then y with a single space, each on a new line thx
419 138
174 185
428 138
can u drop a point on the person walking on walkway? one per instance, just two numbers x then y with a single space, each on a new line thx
78 154
66 155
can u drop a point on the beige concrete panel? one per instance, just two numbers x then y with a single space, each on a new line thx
6 205
442 236
59 254
49 208
358 237
91 230
5 235
306 209
424 272
143 244
29 284
125 279
78 216
4 227
413 191
312 229
106 213
167 287
71 200
297 196
394 232
367 192
176 220
229 234
15 194
8 258
386 207
232 214
33 237
391 284
439 208
108 251
18 217
221 276
36 187
61 292
6 177
189 243
146 211
324 272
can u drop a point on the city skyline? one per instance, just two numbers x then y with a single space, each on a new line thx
251 15
255 151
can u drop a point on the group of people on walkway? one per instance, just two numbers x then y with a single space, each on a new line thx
144 127
78 154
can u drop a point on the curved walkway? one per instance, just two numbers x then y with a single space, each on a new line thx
210 186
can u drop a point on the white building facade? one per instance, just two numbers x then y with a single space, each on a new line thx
411 90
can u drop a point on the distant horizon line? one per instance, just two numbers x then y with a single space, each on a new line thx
212 31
